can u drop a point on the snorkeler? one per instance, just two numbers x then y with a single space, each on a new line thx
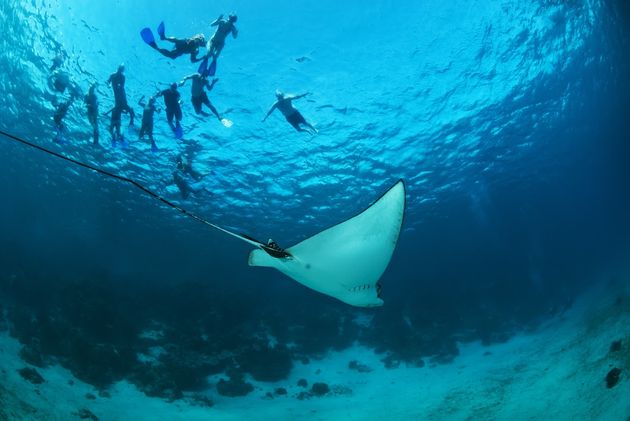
199 96
58 61
293 116
59 79
182 46
182 176
184 165
147 121
117 81
173 109
91 105
216 43
60 113
224 28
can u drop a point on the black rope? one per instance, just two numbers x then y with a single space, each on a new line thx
247 239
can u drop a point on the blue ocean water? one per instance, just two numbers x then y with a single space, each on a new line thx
507 120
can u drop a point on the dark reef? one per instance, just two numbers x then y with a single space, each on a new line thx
320 389
31 375
615 346
235 386
612 378
86 414
98 329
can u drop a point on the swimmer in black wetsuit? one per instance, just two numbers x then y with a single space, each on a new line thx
183 47
117 81
173 108
91 105
293 116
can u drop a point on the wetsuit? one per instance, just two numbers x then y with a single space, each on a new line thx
171 102
182 47
91 103
120 96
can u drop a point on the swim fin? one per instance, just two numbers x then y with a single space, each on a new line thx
179 132
205 70
124 143
147 37
203 67
161 31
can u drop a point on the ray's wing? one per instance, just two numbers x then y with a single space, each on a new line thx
346 260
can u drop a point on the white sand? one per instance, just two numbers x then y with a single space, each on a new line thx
556 373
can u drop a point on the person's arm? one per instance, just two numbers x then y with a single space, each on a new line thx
183 81
211 85
216 22
234 31
193 56
108 112
109 81
141 101
300 96
273 107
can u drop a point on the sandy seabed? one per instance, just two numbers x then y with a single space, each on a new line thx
555 373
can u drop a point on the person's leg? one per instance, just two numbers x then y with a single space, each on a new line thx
169 53
196 102
312 130
95 134
294 120
142 131
217 48
208 104
178 115
214 110
150 133
92 117
169 117
132 114
300 120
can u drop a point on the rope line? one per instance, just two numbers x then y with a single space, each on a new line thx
274 252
